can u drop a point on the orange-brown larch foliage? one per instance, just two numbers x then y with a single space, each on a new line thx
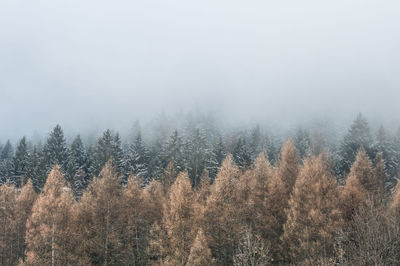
168 177
200 253
48 236
8 225
135 225
100 232
178 219
288 165
24 204
221 222
313 215
360 182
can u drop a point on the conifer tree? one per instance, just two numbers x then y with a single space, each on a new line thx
256 142
48 237
168 177
313 215
200 253
36 169
302 142
173 152
288 165
218 154
220 220
360 182
6 163
55 151
77 159
20 162
137 161
178 219
25 201
100 217
8 225
242 154
108 146
359 135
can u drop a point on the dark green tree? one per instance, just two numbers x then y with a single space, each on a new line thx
20 162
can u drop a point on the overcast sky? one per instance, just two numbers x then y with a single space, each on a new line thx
86 63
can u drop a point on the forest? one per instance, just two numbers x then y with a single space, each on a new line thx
202 195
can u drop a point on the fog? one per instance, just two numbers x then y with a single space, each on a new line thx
93 64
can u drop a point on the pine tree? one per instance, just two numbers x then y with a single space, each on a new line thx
108 146
200 253
197 153
173 152
242 154
55 151
48 239
137 161
6 163
217 155
36 169
359 135
302 142
77 159
313 215
20 162
256 142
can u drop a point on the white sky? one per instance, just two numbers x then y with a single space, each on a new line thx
86 63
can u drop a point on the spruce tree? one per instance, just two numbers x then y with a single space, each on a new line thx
78 159
20 162
358 136
302 142
242 153
55 151
137 158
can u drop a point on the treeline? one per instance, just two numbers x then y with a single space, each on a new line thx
219 201
195 147
291 212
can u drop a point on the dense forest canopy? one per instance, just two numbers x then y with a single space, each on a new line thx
202 196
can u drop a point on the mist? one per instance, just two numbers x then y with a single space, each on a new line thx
89 65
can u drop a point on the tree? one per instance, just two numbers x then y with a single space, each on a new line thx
242 154
20 162
360 182
48 239
220 219
6 163
313 215
218 154
25 201
55 150
359 135
8 226
252 250
78 159
108 146
288 165
100 232
137 160
173 152
178 219
197 153
256 143
302 142
200 253
36 169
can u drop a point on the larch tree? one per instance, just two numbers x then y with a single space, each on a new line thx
220 222
8 225
200 253
288 165
313 215
99 214
360 182
48 236
25 201
178 219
